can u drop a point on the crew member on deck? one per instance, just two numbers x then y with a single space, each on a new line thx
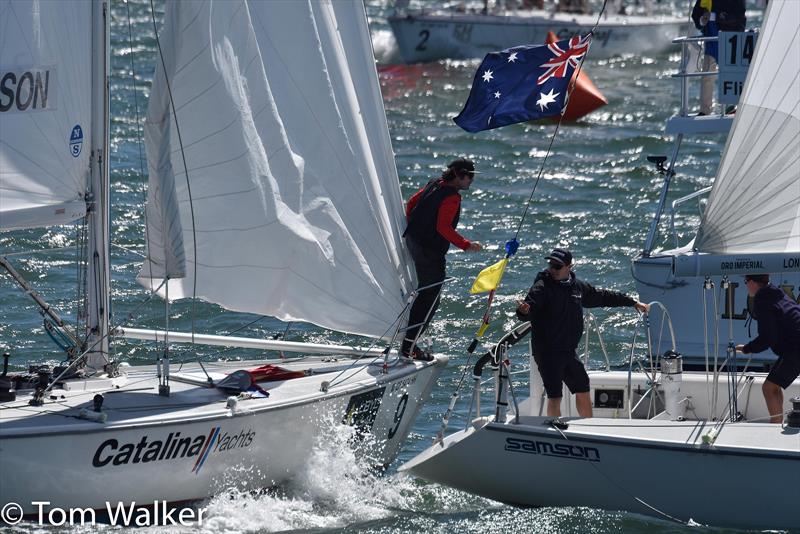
778 319
554 306
432 214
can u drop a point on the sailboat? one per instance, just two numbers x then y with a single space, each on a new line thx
272 191
665 442
440 33
746 224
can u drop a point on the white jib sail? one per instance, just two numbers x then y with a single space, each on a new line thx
45 111
755 202
292 206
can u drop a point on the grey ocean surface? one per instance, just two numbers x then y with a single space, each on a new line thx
596 195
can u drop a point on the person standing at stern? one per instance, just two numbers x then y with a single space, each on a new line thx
432 214
711 17
554 306
778 319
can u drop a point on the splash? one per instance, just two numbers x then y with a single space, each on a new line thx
338 486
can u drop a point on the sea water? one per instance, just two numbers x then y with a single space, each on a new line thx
596 194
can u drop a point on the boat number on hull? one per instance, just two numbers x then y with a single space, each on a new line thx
362 410
424 35
559 450
398 415
463 32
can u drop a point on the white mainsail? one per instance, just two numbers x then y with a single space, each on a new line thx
45 111
754 205
292 207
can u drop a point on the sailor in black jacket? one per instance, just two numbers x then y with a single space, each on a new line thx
554 306
778 319
433 214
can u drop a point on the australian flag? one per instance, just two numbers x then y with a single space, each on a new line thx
521 84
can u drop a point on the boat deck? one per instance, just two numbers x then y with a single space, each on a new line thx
133 400
745 438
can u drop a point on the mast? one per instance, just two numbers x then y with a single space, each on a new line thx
98 271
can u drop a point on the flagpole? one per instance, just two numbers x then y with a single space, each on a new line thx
514 243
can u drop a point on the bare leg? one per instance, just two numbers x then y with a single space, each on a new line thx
773 394
554 407
584 404
707 85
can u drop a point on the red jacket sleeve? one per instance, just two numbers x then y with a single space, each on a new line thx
444 221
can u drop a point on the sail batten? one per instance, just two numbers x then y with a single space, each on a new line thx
289 202
754 205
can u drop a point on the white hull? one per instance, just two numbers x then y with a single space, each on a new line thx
648 464
672 444
682 294
429 37
46 454
619 464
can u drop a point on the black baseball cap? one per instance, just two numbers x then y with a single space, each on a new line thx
560 256
462 165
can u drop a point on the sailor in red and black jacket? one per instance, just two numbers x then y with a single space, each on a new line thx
432 214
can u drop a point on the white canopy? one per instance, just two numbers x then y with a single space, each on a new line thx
755 201
45 111
292 205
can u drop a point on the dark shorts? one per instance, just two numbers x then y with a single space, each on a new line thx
559 367
785 371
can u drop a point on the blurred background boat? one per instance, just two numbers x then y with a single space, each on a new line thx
466 30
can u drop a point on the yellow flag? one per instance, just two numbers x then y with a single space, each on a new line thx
705 4
489 278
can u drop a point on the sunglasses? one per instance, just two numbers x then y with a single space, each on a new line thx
555 266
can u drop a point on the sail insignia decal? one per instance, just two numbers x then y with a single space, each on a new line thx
113 453
76 141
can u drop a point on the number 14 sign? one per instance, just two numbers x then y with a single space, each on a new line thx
735 52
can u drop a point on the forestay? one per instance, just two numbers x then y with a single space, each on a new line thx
755 202
292 206
45 111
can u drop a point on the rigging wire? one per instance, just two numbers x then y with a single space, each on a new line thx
397 321
621 488
81 304
185 166
188 183
108 334
558 125
37 251
138 135
188 186
225 350
511 246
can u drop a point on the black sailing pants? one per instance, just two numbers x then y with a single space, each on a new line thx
430 267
